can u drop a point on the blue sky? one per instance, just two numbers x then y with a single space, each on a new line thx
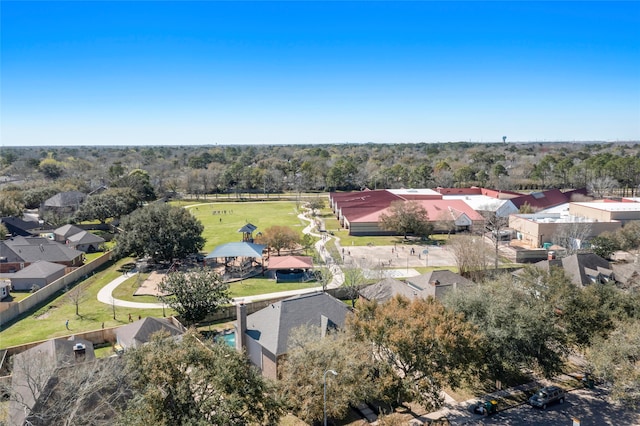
169 73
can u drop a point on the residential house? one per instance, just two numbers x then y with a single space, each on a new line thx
388 288
19 252
35 371
438 283
139 332
63 203
36 275
62 233
19 227
265 334
583 269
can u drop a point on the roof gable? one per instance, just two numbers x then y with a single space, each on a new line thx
140 332
39 269
271 326
32 249
67 230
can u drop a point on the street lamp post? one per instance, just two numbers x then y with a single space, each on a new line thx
324 385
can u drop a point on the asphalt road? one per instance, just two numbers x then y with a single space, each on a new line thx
587 406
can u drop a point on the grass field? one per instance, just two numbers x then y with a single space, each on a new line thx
49 321
221 221
255 286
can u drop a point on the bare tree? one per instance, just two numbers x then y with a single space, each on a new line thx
495 224
91 393
470 253
76 296
353 279
602 186
571 236
323 276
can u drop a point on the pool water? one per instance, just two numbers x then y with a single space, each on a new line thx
228 338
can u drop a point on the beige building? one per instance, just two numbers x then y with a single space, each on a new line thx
606 212
534 230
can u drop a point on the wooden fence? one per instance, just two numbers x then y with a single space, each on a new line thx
45 294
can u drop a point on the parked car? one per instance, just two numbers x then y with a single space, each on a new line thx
547 396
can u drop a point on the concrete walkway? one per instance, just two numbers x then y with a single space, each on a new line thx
105 295
336 272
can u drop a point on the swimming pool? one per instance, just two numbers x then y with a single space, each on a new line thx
229 338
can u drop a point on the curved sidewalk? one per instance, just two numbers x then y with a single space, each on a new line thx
105 296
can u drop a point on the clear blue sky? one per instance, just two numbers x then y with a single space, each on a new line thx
155 73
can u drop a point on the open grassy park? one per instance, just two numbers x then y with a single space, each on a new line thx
222 220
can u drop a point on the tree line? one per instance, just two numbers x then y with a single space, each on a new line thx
160 171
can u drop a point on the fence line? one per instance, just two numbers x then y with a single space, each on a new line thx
44 294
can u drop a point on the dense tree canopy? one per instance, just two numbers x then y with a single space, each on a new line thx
425 344
159 231
520 330
194 294
308 358
406 217
191 382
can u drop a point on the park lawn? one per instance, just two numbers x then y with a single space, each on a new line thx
49 321
125 290
222 228
254 286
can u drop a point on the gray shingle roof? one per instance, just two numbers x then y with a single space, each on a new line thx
386 289
139 332
84 237
437 283
67 230
32 249
39 269
44 359
272 325
66 199
579 266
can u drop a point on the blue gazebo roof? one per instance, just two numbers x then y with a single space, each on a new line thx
243 249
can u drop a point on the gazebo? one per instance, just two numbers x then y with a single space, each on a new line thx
290 268
247 230
241 255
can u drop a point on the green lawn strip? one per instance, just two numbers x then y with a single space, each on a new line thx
126 290
222 228
254 286
17 296
49 321
104 352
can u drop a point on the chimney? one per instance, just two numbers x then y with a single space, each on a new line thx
79 351
241 326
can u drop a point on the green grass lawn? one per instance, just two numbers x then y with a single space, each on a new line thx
253 286
49 321
223 228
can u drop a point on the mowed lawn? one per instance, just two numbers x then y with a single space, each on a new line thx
221 221
49 321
